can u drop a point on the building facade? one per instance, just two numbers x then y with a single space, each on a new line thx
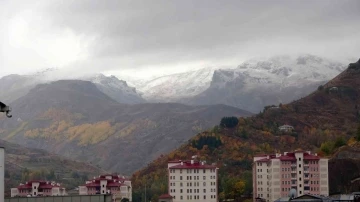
38 188
118 186
302 172
193 181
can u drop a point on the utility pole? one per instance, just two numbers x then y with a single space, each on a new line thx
145 190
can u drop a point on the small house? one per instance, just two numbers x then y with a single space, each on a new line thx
165 198
286 128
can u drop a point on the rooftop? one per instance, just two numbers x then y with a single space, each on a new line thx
288 156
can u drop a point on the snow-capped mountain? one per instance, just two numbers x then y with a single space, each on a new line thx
116 89
257 83
171 88
15 86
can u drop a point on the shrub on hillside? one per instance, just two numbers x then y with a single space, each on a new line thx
211 141
229 122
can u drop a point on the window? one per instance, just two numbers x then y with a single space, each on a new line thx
180 170
299 159
204 171
299 165
181 184
204 190
204 183
204 197
181 197
204 177
180 177
180 190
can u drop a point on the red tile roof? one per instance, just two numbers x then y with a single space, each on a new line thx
42 185
165 196
174 161
24 186
195 165
93 184
115 184
263 160
290 156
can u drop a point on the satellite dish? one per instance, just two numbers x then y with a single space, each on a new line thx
292 193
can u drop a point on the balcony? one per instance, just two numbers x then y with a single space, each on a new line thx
293 165
293 171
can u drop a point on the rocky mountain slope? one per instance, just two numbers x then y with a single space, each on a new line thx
323 121
22 164
172 88
257 83
75 119
116 89
13 87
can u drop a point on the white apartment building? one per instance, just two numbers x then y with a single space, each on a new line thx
276 174
193 181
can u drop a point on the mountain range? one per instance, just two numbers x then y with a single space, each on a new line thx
75 119
251 86
326 121
14 86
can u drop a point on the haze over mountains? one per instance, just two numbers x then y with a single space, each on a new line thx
94 116
250 86
73 118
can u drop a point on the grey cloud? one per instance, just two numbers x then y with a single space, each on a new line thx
185 29
132 33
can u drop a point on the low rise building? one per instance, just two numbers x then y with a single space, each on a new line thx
38 188
118 186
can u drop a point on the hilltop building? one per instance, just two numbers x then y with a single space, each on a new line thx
193 181
275 175
118 186
38 188
286 128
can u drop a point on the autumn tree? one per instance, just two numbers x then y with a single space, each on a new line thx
340 141
358 133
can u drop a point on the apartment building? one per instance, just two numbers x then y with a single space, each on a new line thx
193 181
275 175
118 186
38 188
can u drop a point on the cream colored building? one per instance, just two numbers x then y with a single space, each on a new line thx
118 186
275 175
193 181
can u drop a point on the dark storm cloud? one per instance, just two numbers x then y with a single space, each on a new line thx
191 29
129 33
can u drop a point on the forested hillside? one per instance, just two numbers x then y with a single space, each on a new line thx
323 121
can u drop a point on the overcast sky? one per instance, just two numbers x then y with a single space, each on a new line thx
158 36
